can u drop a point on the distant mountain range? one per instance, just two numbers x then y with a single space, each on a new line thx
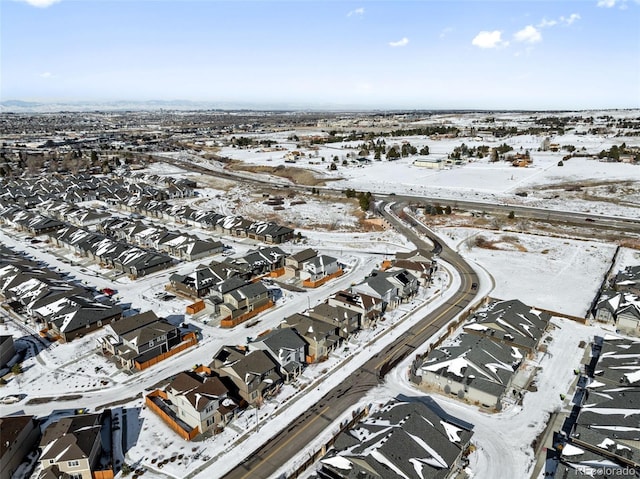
20 106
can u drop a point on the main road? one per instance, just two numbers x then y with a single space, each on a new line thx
594 221
276 452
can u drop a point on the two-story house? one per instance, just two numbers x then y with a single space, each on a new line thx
346 320
321 337
202 401
286 347
71 447
139 338
369 307
319 267
254 373
244 300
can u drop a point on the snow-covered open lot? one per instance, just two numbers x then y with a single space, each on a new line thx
556 274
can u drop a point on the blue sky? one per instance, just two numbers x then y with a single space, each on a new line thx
326 54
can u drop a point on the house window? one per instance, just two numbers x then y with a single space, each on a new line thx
52 461
73 463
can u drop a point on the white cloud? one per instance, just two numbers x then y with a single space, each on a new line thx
571 18
46 75
547 23
399 43
622 4
486 39
357 11
528 34
40 3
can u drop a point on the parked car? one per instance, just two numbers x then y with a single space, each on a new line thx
474 286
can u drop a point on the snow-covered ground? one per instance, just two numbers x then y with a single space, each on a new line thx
72 365
478 179
556 274
561 275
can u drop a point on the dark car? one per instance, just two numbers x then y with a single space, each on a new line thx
474 286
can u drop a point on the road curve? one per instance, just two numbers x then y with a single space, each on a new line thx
275 453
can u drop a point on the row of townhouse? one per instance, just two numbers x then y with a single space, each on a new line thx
219 278
605 435
229 225
123 257
72 214
69 188
140 198
22 220
66 310
404 439
480 363
619 304
175 243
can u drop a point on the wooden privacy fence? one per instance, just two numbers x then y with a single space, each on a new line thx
186 435
188 340
105 474
314 284
276 272
230 322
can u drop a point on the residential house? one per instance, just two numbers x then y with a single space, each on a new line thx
510 322
392 287
403 440
204 279
262 260
242 301
287 347
254 373
293 264
199 400
19 437
319 267
269 232
75 316
71 447
368 307
346 320
321 336
628 280
475 368
139 338
621 309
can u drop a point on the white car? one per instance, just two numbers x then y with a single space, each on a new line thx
9 400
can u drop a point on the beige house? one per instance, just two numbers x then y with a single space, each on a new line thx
71 447
201 401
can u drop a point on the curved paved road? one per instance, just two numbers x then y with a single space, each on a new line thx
275 453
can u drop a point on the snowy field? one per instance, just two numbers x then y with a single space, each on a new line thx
478 179
557 274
